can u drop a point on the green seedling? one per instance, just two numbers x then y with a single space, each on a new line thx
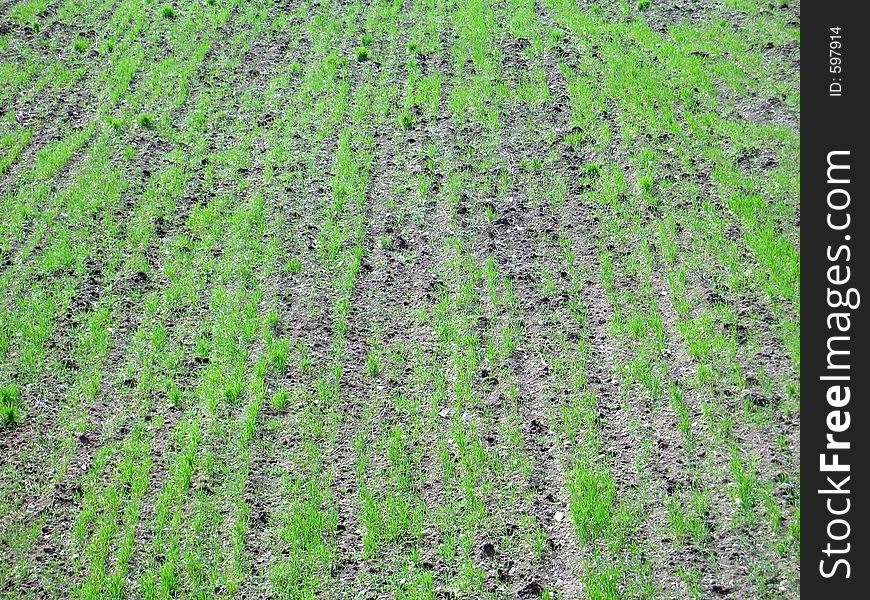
294 265
280 399
10 410
373 362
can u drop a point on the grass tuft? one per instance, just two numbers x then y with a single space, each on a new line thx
294 265
279 399
10 409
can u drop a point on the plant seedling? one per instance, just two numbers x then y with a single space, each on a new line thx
279 399
405 120
294 265
10 412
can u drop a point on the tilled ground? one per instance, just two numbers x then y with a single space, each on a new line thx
424 299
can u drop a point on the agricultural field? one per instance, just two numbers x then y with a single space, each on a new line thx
399 299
